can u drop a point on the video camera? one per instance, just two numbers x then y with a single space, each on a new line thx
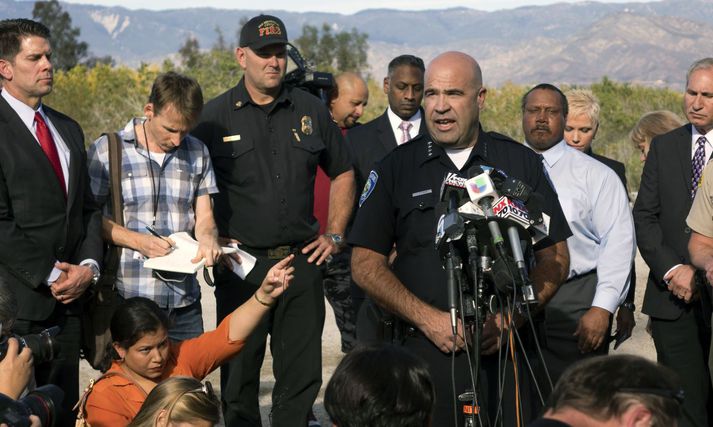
42 402
300 74
43 345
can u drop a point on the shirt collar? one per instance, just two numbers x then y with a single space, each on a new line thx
396 120
551 155
695 135
433 150
26 113
128 134
241 96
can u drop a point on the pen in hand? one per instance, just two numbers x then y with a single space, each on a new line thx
155 233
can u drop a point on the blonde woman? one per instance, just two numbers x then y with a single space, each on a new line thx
179 401
650 125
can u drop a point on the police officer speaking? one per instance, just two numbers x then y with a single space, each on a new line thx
266 140
398 207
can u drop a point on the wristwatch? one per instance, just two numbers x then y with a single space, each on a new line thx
96 274
338 239
629 305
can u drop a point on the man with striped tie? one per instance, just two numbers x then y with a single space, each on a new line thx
675 295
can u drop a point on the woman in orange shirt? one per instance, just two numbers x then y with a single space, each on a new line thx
143 355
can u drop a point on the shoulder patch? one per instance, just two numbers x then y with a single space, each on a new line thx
368 187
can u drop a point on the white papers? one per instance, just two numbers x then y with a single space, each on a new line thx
247 262
179 259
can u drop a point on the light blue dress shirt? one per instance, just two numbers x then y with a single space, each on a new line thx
596 206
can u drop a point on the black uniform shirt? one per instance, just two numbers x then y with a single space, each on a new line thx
398 205
265 160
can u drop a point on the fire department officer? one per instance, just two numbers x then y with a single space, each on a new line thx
266 140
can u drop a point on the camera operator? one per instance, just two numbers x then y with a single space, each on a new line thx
16 366
15 370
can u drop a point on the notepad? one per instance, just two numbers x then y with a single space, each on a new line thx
179 259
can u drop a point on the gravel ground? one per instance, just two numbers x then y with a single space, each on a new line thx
640 344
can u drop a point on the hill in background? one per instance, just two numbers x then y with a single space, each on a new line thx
647 43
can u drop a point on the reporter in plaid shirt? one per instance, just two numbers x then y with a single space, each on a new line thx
166 182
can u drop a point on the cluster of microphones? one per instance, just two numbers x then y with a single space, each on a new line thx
477 209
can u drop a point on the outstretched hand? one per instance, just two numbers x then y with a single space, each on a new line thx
276 280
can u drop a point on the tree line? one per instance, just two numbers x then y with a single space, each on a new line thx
102 97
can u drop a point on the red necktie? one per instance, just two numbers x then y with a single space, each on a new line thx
48 146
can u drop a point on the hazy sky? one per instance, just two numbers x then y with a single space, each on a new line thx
342 6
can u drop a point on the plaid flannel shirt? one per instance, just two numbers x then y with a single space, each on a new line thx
186 173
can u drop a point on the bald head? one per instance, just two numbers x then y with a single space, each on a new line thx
459 63
454 95
348 99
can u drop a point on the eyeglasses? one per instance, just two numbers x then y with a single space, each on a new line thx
677 395
667 393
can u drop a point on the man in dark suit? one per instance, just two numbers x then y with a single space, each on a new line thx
403 86
50 233
579 132
401 122
675 298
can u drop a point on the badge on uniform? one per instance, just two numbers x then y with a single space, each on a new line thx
368 187
231 138
306 125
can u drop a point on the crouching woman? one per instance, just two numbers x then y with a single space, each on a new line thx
143 356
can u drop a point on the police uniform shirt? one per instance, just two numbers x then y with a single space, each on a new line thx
399 201
265 160
700 218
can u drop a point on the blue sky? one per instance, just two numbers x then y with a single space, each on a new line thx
342 6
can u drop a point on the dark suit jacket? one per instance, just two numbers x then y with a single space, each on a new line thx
38 226
660 215
370 143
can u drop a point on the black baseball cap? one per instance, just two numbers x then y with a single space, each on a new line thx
263 30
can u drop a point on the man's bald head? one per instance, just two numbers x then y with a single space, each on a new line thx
348 99
454 96
457 62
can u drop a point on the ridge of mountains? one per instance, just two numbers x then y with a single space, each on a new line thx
577 43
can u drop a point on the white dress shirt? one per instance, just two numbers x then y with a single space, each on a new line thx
27 115
395 122
596 206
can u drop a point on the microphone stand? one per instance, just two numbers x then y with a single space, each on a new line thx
471 403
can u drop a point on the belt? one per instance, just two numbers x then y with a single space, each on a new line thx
278 252
580 276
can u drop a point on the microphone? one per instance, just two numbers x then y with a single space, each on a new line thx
481 191
451 225
516 189
512 211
